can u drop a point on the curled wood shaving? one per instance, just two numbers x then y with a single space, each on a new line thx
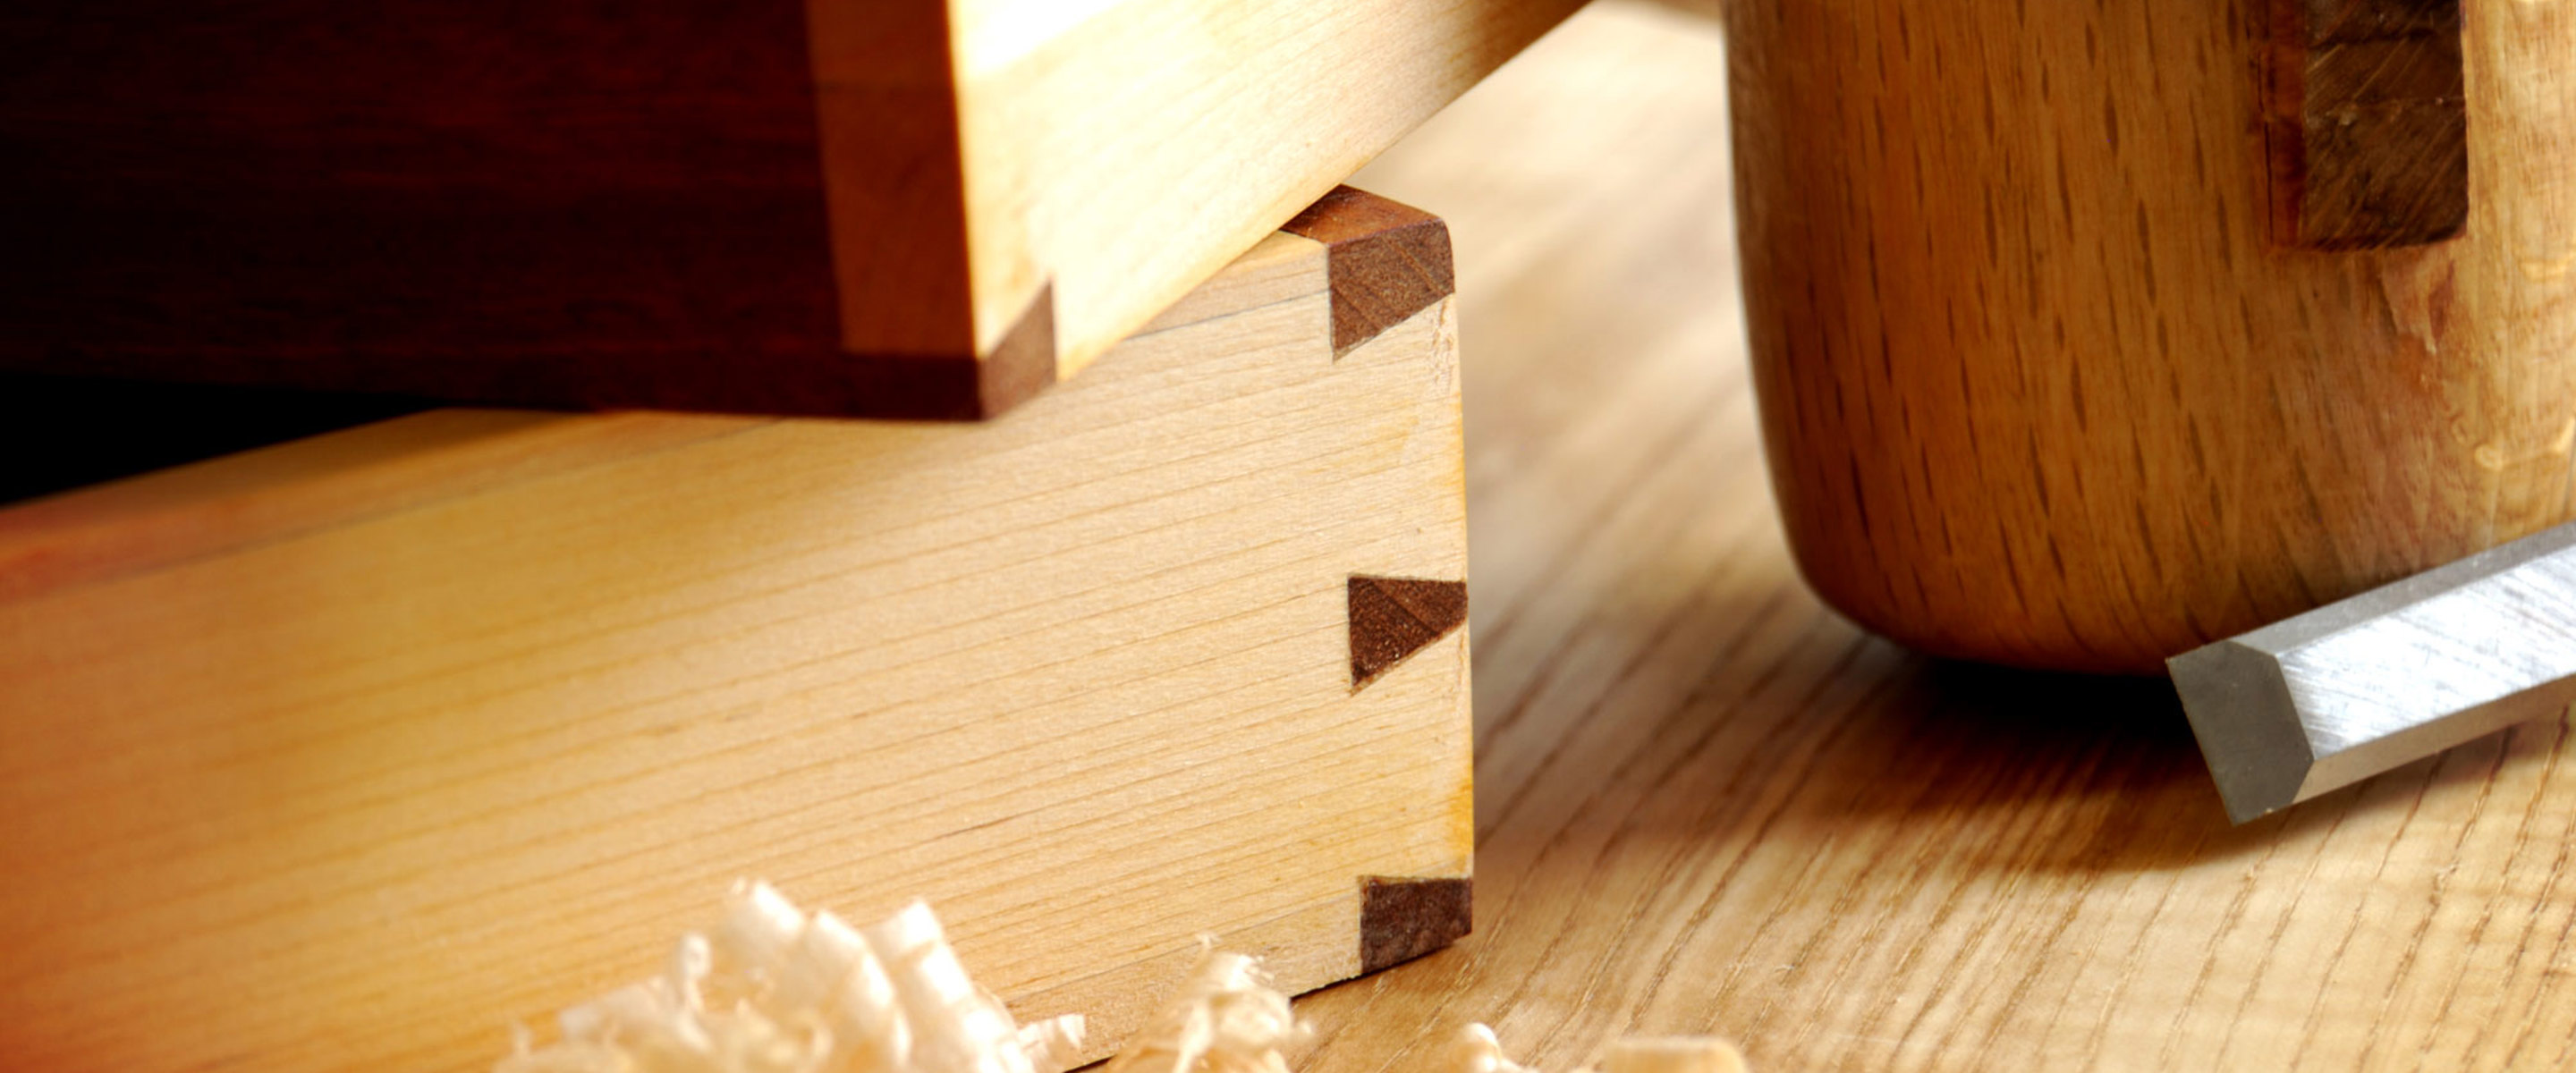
1226 1018
773 990
1475 1050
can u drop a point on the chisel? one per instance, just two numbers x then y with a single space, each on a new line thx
2354 688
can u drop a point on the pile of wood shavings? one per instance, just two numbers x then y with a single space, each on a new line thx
1226 1018
773 990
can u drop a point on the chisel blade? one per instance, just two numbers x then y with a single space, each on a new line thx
2354 688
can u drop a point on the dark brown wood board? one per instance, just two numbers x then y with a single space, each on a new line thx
891 208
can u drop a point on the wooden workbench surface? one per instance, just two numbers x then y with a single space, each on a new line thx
1706 804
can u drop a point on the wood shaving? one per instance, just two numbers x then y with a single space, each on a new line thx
1226 1018
772 989
1475 1050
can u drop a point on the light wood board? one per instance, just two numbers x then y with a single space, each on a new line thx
1707 804
348 753
1115 152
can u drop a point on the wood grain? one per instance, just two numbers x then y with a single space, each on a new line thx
2038 390
1122 150
347 753
907 208
2365 125
1706 803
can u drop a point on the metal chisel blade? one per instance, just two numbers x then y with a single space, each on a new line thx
2354 688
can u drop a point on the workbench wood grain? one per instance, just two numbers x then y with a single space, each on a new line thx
1707 804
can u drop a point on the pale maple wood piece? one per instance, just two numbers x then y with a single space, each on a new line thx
346 753
1710 805
908 208
2364 122
1116 152
2038 389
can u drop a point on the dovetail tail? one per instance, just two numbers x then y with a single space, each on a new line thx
1023 363
1392 618
1384 261
1403 918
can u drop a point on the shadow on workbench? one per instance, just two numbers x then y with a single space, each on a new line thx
2113 755
2012 772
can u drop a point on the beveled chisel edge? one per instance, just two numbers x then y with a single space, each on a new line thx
2328 698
